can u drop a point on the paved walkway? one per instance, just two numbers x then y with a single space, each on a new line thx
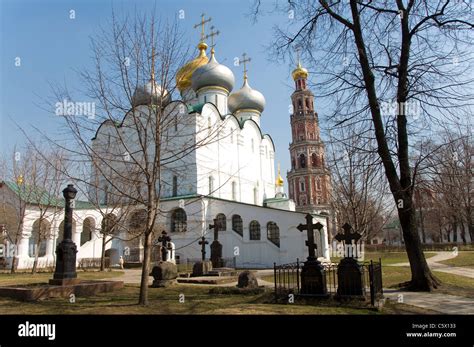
442 303
434 264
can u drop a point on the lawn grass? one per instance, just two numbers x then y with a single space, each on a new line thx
392 276
388 258
463 259
7 279
197 300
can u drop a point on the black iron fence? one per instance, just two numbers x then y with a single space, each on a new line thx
287 279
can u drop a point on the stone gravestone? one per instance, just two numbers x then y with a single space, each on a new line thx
247 279
204 266
313 280
164 273
350 274
216 247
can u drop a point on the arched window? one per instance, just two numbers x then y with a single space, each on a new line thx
318 183
254 229
314 160
293 163
222 222
237 224
273 233
109 224
307 102
38 238
178 221
87 228
302 161
137 222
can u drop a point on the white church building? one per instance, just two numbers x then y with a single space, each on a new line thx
229 176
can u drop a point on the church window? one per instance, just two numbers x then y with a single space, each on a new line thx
38 235
254 230
302 161
175 186
255 196
234 191
178 221
300 104
237 224
293 163
137 222
222 221
307 102
314 160
211 185
318 183
273 233
302 186
87 227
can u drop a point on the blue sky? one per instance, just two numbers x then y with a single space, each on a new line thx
51 46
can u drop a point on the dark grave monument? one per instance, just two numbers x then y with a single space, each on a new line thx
165 272
350 274
216 247
64 281
204 266
313 280
65 271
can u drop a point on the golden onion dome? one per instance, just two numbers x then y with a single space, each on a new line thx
183 77
279 181
299 72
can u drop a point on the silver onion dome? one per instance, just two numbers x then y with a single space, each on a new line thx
246 98
213 74
150 94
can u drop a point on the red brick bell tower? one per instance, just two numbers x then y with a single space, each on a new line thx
309 181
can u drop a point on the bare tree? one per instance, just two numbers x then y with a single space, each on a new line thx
412 52
359 187
131 163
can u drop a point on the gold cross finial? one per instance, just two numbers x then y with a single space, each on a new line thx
244 61
201 24
211 35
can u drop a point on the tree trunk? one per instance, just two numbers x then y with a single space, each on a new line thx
143 299
421 276
448 235
35 263
455 229
422 226
463 233
102 255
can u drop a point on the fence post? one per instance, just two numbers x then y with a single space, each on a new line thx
298 275
275 277
371 281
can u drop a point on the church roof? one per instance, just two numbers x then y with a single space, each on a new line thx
39 196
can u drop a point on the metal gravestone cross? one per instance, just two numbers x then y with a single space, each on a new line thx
203 244
350 274
164 239
310 227
346 238
216 247
215 226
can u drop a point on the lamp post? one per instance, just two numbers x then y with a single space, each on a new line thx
65 272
